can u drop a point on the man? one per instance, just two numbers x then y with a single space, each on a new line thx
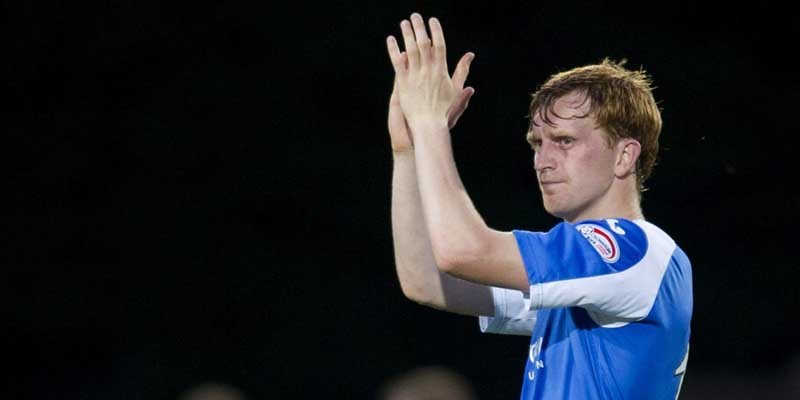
605 295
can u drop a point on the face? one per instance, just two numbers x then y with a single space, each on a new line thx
573 161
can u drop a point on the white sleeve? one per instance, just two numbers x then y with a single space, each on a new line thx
512 314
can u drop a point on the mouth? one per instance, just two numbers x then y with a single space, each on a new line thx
548 187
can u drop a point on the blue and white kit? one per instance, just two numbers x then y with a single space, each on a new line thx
608 311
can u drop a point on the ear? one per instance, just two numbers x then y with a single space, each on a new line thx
628 151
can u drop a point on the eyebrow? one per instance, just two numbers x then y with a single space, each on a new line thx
557 133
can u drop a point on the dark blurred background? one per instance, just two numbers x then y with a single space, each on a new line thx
201 193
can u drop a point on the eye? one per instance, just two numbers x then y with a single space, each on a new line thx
565 141
536 144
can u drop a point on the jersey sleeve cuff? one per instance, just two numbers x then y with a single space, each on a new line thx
536 298
512 314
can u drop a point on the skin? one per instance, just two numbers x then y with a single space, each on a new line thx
463 246
420 278
579 174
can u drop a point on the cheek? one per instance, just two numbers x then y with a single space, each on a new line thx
593 168
602 159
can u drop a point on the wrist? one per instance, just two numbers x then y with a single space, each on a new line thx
402 154
431 125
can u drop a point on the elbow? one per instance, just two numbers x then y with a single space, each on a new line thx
413 293
420 288
421 296
448 262
454 257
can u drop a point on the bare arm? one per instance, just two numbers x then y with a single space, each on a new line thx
463 245
419 276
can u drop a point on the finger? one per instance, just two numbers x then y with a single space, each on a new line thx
423 42
395 55
462 70
404 59
410 43
439 48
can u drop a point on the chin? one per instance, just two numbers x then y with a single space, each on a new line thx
554 209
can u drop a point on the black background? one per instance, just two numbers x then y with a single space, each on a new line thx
201 193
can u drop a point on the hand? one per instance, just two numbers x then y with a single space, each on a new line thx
423 89
399 133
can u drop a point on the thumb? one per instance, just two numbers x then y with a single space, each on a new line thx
459 105
467 95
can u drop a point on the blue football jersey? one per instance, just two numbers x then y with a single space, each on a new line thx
613 303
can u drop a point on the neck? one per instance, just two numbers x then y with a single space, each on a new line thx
620 201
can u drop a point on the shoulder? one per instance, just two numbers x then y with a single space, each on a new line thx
616 238
613 239
615 242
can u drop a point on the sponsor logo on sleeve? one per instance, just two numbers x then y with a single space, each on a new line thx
601 240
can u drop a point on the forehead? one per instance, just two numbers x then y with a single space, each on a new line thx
568 113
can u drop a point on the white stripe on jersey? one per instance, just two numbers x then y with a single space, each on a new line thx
614 299
512 314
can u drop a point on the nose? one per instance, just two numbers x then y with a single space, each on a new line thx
543 159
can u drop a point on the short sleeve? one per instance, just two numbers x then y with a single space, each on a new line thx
589 248
595 264
512 314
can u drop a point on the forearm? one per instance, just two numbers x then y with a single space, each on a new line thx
416 267
462 245
419 276
456 228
